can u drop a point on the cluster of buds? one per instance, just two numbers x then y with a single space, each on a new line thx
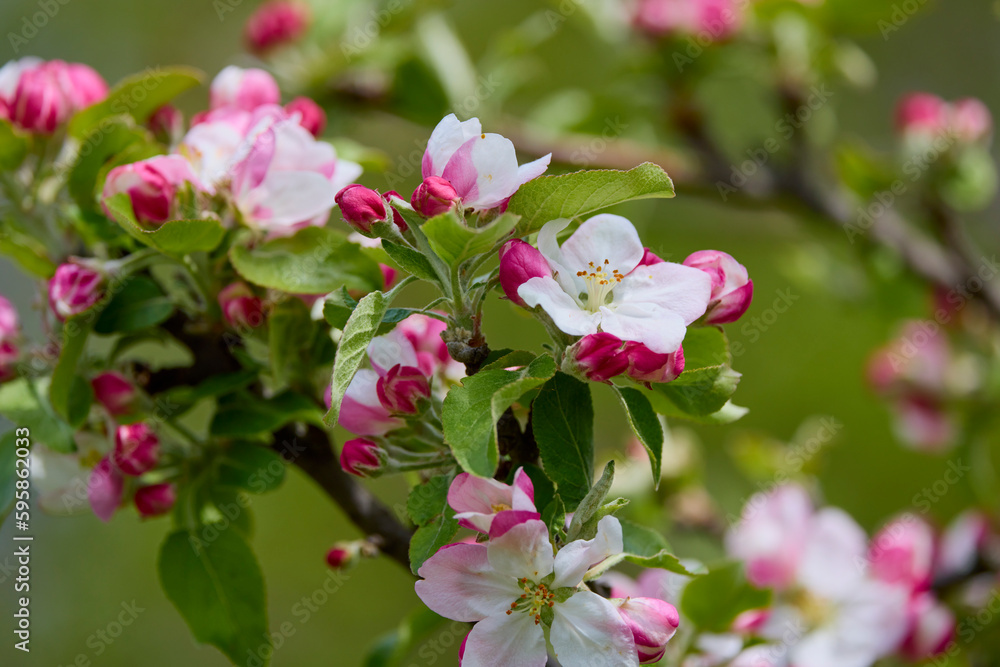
75 287
365 209
923 116
10 333
39 96
510 580
152 185
918 375
136 452
708 20
241 308
710 287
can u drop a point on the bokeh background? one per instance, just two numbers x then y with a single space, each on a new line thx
807 362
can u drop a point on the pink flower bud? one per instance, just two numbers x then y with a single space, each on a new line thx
39 103
343 555
599 357
155 499
903 553
519 263
932 628
732 289
151 185
971 120
921 422
921 113
361 207
275 23
9 325
649 258
647 366
311 115
244 89
166 123
137 449
396 217
388 276
652 623
362 457
104 489
240 306
82 85
402 388
73 289
434 196
9 354
114 392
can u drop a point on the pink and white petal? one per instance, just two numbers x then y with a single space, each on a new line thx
459 583
872 620
609 241
495 162
587 630
391 349
291 197
523 492
662 331
573 560
561 307
469 493
522 551
532 170
834 546
505 641
507 519
674 287
361 411
475 521
446 138
251 170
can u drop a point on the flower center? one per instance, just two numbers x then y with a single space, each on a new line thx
815 611
601 280
499 507
535 598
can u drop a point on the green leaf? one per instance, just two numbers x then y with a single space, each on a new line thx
218 588
139 304
572 195
176 237
410 260
251 467
245 416
316 260
454 242
712 601
429 538
290 336
24 402
98 149
648 548
31 255
14 146
412 637
81 396
75 332
138 95
645 425
708 381
590 506
429 499
358 333
339 305
562 418
727 414
554 516
471 411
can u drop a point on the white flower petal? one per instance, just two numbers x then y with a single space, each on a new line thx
675 287
506 641
562 308
548 245
833 557
446 138
391 349
495 163
662 331
587 631
532 170
523 551
609 241
459 583
573 560
287 198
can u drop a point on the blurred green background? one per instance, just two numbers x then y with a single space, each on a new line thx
808 361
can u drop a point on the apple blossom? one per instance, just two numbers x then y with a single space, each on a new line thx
652 623
362 207
39 96
9 354
389 275
922 114
244 89
362 411
104 489
903 553
276 23
434 196
137 449
971 120
932 628
155 499
481 167
961 544
922 423
478 501
519 262
732 289
599 357
362 457
167 123
240 306
514 584
343 555
152 185
74 288
596 287
10 327
114 392
709 19
402 388
309 115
